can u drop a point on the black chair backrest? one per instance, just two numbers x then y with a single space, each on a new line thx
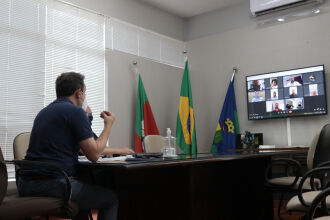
322 150
3 178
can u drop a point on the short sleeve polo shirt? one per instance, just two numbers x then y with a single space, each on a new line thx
56 132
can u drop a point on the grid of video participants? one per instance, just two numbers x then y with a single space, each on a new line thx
287 93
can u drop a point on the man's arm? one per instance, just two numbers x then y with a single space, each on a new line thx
91 148
111 151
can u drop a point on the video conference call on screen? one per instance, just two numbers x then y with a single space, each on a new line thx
298 92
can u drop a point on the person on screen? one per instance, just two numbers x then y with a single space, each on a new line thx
274 95
293 92
273 84
313 90
299 105
59 131
277 108
313 93
292 82
289 105
256 85
312 78
257 97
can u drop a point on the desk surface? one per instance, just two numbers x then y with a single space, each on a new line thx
183 159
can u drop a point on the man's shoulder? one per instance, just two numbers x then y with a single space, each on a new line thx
62 108
63 104
74 111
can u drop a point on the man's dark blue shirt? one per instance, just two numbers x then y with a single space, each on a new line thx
56 132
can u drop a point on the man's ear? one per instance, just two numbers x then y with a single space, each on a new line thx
78 94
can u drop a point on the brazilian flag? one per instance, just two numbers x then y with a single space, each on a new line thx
185 126
228 127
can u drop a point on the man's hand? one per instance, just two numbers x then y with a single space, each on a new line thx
93 148
126 150
88 110
108 117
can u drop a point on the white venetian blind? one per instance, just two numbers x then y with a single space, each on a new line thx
21 69
149 45
135 40
75 42
125 37
172 52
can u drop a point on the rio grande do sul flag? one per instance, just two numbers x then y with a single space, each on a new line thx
185 126
145 123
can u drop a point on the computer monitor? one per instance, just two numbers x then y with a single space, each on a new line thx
296 92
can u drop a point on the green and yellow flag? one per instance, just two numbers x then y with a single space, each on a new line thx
185 126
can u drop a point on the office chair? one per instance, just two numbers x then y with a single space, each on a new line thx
318 164
320 205
21 145
153 143
318 152
27 207
303 200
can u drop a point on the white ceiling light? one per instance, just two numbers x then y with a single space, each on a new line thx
280 19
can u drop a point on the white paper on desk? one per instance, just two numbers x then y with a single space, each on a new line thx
106 159
82 159
266 146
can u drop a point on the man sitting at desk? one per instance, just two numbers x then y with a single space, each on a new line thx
56 133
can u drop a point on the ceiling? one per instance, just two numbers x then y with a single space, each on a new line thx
189 8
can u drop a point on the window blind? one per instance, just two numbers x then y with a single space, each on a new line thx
131 39
125 37
75 42
149 45
21 69
172 52
38 41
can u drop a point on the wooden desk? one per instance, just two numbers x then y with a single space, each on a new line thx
203 187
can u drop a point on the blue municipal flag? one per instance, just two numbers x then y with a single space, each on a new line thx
228 127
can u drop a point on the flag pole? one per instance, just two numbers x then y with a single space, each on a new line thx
135 63
185 54
235 69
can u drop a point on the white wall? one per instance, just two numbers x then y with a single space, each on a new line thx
218 21
255 50
162 84
137 13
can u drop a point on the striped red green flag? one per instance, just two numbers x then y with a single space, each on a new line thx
145 123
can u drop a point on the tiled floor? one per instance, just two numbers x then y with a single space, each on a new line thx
284 213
